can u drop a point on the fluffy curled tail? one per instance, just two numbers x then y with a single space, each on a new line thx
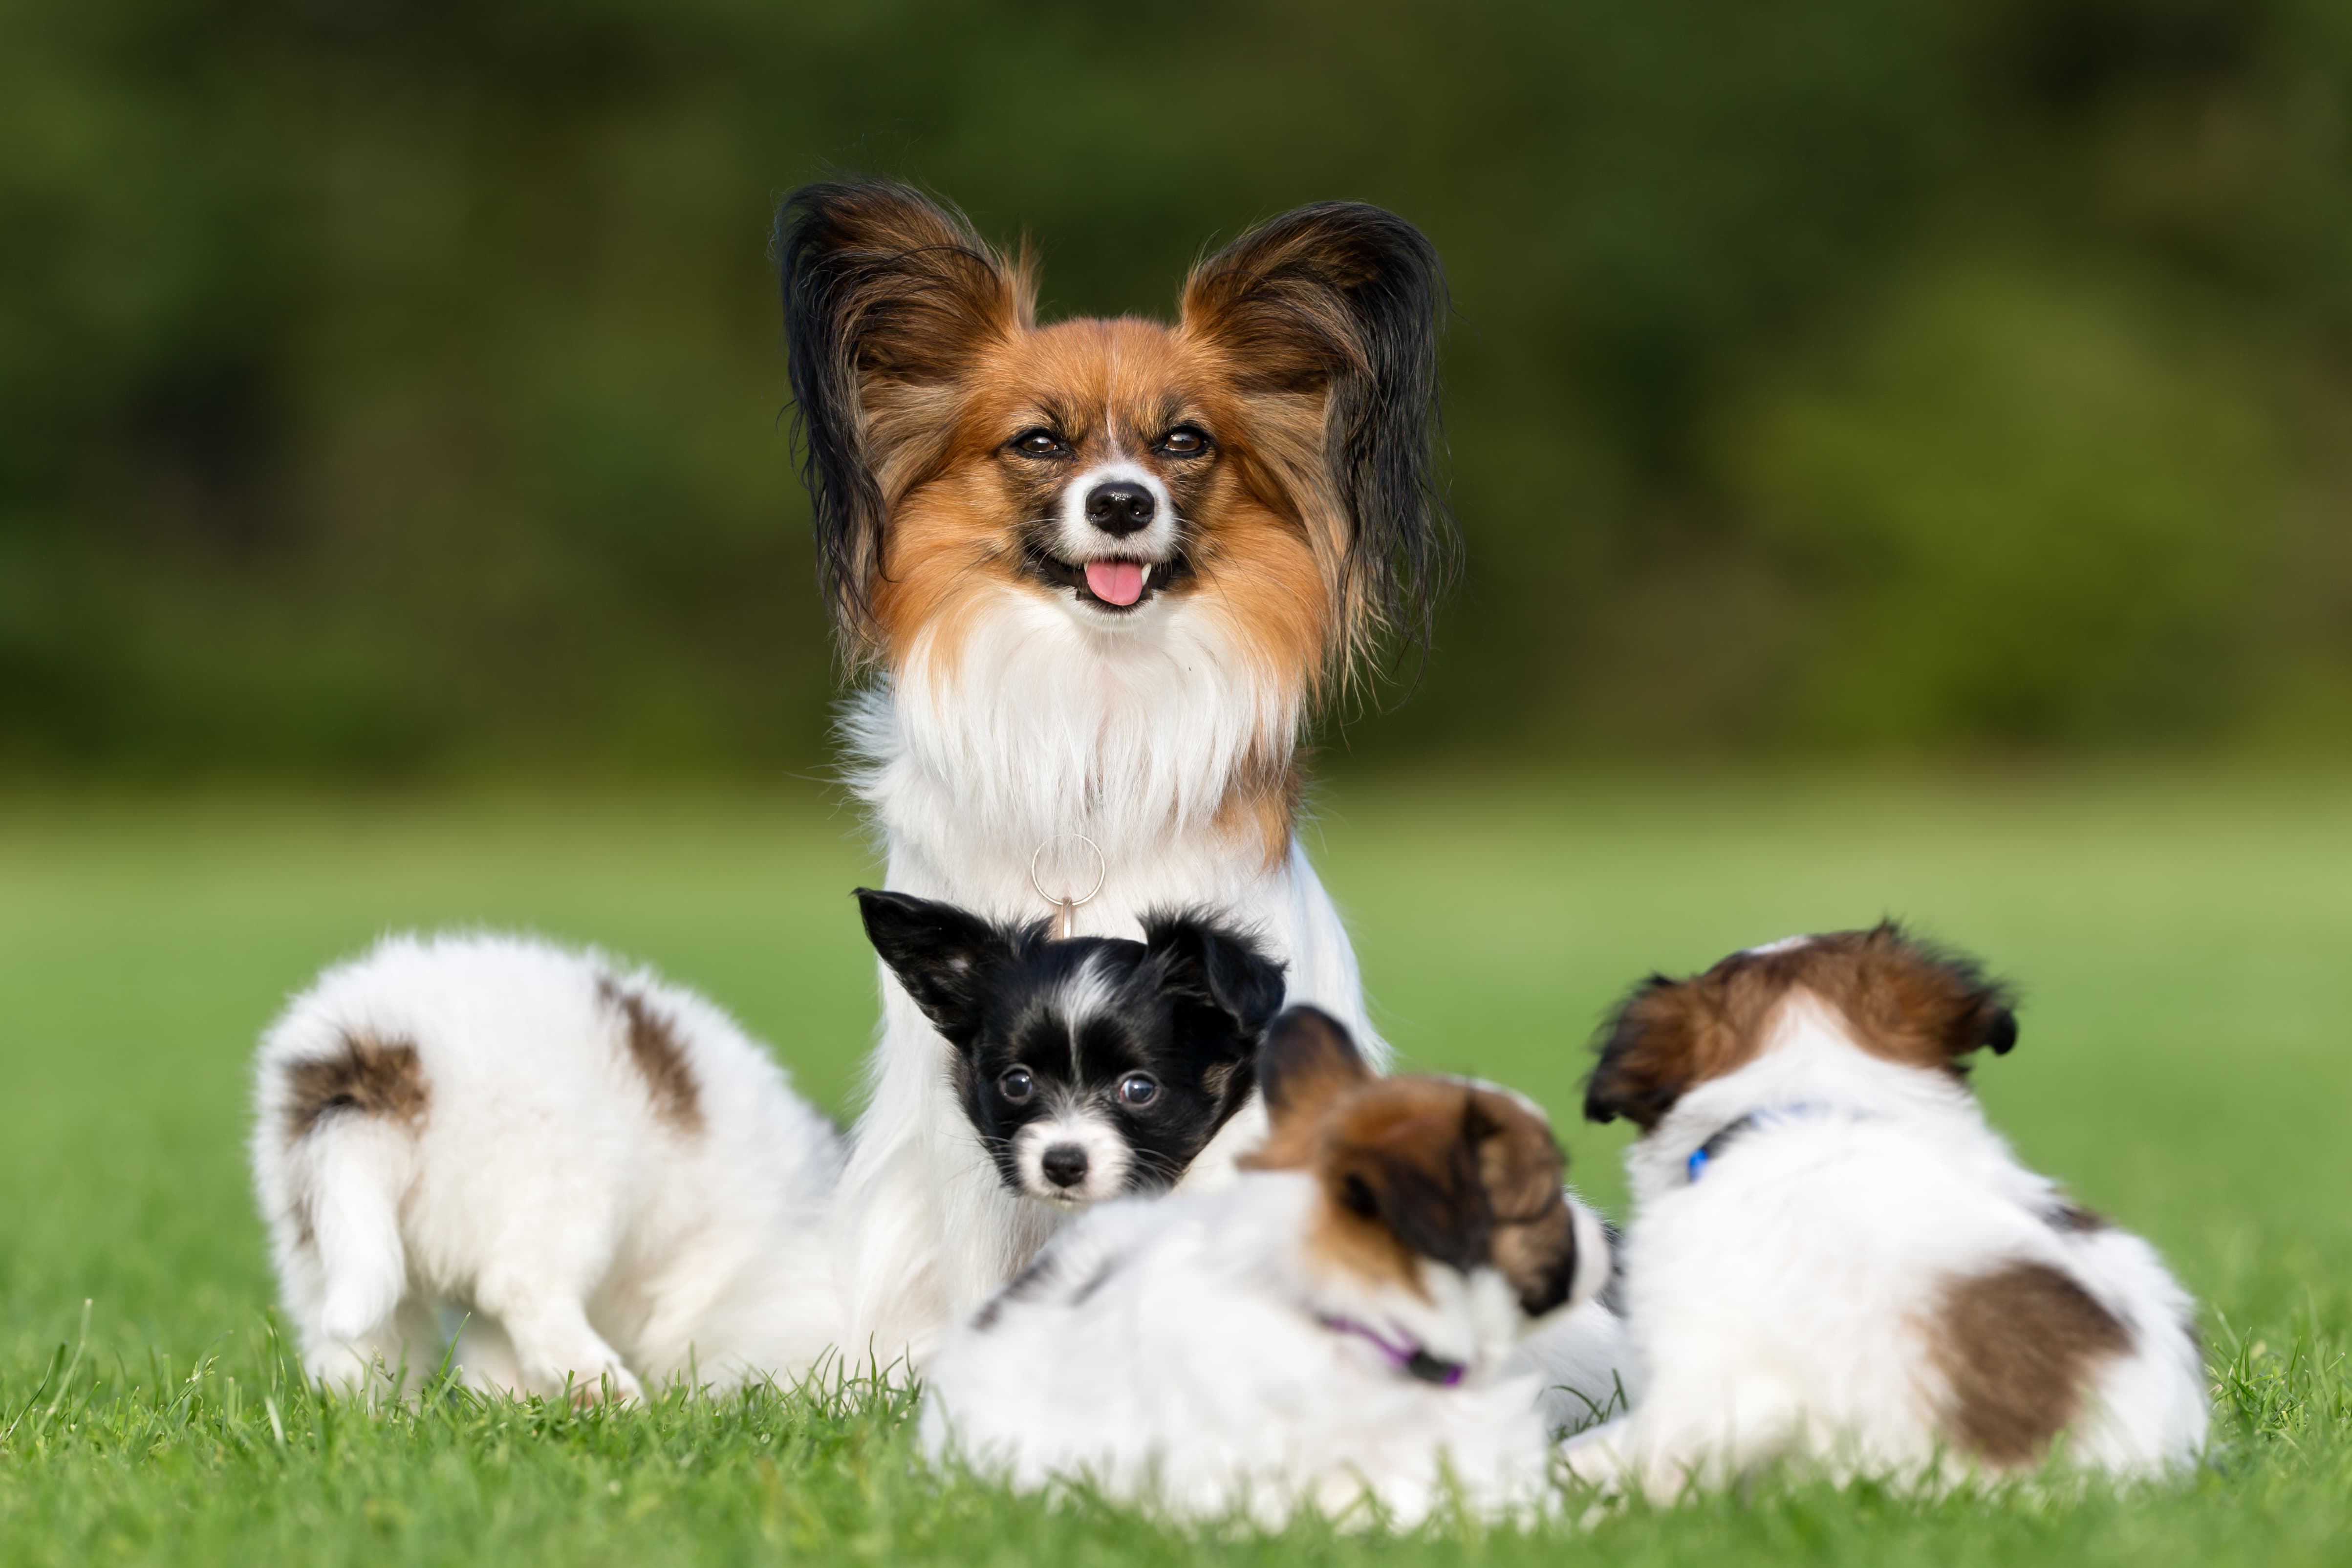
358 1169
334 1149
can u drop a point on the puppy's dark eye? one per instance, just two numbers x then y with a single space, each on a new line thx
1040 442
1016 1086
1357 1193
1137 1088
1184 440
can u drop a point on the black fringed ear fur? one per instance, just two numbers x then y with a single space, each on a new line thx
1220 966
1327 319
886 293
940 954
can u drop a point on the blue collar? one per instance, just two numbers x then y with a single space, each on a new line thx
1732 1133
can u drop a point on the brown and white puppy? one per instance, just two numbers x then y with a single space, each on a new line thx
1833 1260
1099 573
611 1181
1332 1328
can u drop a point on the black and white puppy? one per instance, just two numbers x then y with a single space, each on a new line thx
1088 1067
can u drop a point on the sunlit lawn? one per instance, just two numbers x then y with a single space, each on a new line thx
2185 945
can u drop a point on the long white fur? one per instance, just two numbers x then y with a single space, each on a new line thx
1779 1303
1053 720
591 1243
1172 1352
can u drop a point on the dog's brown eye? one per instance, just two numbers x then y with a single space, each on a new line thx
1040 442
1184 440
1016 1086
1357 1193
1137 1088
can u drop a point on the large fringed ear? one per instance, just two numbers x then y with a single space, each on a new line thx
1327 320
1520 1165
1214 964
940 954
1945 995
886 295
1649 1051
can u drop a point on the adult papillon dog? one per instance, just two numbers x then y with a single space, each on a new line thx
1099 572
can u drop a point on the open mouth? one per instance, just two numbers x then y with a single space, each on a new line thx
1108 582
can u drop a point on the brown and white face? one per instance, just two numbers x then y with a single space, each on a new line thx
1264 463
1890 997
1439 1220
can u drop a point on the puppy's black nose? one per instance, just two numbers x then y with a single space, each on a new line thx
1120 508
1066 1165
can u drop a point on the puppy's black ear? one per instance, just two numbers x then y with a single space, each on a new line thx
1309 1057
1647 1048
887 295
1216 965
940 954
1327 318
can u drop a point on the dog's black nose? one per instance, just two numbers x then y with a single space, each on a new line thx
1066 1165
1120 508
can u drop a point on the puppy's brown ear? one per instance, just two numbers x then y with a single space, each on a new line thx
1944 995
1326 321
1648 1053
1520 1165
1309 1059
886 295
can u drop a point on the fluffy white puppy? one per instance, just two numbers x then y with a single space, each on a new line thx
1833 1260
1330 1331
612 1182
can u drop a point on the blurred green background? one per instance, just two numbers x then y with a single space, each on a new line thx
393 392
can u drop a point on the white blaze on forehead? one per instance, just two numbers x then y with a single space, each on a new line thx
1785 944
1087 995
1080 541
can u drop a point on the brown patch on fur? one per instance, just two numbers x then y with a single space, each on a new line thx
1901 1000
2018 1346
1217 1079
1415 1168
1260 806
374 1077
660 1055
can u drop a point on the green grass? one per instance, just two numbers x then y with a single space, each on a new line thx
2185 947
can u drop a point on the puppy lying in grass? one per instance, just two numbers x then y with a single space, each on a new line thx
1330 1329
616 1186
1834 1262
610 1180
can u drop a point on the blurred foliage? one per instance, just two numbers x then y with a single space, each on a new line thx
390 389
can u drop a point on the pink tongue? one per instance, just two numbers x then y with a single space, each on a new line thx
1115 581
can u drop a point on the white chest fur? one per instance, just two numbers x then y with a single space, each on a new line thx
1132 737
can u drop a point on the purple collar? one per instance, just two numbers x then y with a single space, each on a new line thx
1407 1358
